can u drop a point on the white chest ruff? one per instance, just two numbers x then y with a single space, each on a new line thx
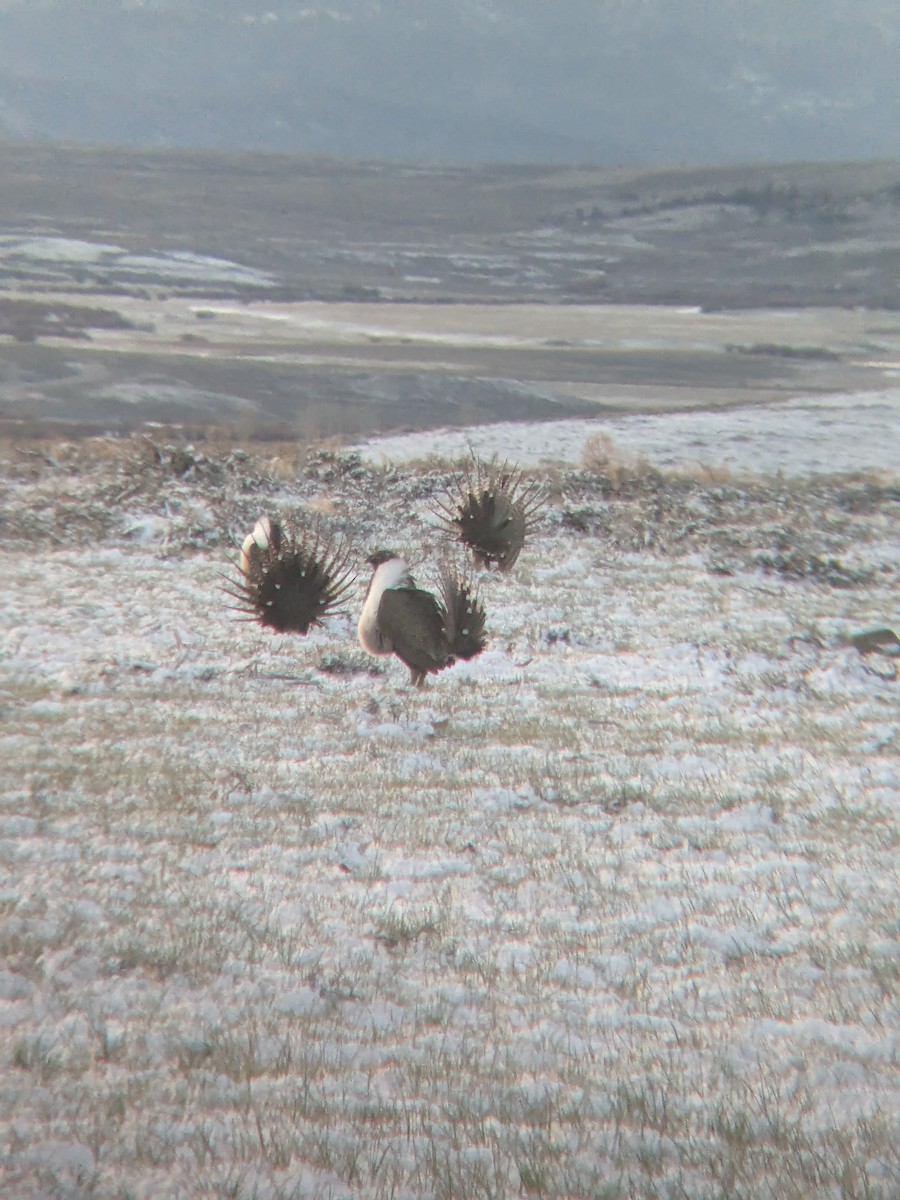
393 573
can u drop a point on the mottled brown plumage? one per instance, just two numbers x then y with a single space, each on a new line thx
290 581
426 632
491 509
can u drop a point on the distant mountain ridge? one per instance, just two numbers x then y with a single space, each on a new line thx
628 81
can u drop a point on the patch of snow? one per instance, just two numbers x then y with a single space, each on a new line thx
748 818
110 262
800 437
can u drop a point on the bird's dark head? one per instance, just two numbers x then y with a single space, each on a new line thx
379 556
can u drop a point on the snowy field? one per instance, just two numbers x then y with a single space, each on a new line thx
611 911
807 436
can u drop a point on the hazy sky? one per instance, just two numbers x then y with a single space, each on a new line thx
472 80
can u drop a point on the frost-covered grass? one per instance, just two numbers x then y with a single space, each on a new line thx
608 912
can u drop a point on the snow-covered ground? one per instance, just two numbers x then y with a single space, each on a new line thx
53 259
809 435
609 911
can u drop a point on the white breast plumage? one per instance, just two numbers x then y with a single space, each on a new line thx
391 573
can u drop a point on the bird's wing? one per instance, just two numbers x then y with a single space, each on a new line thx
413 622
509 531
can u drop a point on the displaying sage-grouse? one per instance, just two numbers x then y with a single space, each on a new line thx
490 510
290 582
425 632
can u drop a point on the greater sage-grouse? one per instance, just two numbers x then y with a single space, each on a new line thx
290 581
490 510
427 633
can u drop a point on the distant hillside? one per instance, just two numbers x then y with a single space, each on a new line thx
610 81
309 228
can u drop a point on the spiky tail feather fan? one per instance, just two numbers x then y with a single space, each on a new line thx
491 510
464 622
290 581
